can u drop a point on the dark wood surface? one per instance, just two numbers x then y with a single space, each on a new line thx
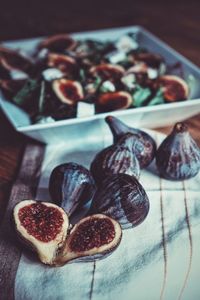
176 22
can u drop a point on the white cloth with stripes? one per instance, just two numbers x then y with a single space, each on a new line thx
159 259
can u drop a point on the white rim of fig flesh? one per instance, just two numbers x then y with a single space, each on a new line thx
103 101
118 68
79 90
47 251
68 254
52 56
179 80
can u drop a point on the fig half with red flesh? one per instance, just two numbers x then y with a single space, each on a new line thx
118 158
107 71
113 101
58 43
42 226
123 198
68 91
66 64
71 185
12 60
93 237
174 88
144 146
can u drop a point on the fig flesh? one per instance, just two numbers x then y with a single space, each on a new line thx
144 146
58 43
122 198
71 185
113 101
68 91
66 64
118 158
42 226
107 71
178 156
13 60
174 88
93 237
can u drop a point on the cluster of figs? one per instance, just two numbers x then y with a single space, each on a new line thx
111 190
103 74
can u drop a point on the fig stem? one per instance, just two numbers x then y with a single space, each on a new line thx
180 127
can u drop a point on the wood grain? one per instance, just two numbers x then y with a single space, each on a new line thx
176 22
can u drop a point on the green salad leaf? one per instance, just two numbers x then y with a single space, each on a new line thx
24 94
140 95
157 99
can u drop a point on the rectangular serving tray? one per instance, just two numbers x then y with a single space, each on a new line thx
149 117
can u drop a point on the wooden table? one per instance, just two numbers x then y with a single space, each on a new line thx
176 23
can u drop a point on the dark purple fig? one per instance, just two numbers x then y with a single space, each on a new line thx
66 64
174 88
42 227
178 156
150 59
71 185
58 43
93 237
107 71
113 101
68 91
122 198
118 158
12 60
144 146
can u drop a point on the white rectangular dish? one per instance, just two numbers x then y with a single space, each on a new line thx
150 117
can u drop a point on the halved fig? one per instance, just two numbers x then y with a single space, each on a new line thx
174 88
71 185
122 198
107 71
113 101
12 60
118 158
66 64
144 146
93 237
58 43
11 87
68 91
42 226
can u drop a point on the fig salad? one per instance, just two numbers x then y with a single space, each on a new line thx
68 78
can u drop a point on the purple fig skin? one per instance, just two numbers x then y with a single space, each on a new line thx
71 186
122 198
178 156
144 149
115 159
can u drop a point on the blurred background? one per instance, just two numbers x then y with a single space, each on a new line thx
177 22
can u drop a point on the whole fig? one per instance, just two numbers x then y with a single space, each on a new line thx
122 198
178 156
115 159
144 146
71 185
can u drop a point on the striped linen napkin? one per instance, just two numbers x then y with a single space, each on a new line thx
159 259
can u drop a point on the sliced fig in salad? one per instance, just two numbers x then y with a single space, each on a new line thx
107 71
42 227
68 91
66 64
174 88
113 101
93 237
58 43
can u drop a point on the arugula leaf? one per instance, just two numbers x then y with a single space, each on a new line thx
24 94
140 96
157 99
